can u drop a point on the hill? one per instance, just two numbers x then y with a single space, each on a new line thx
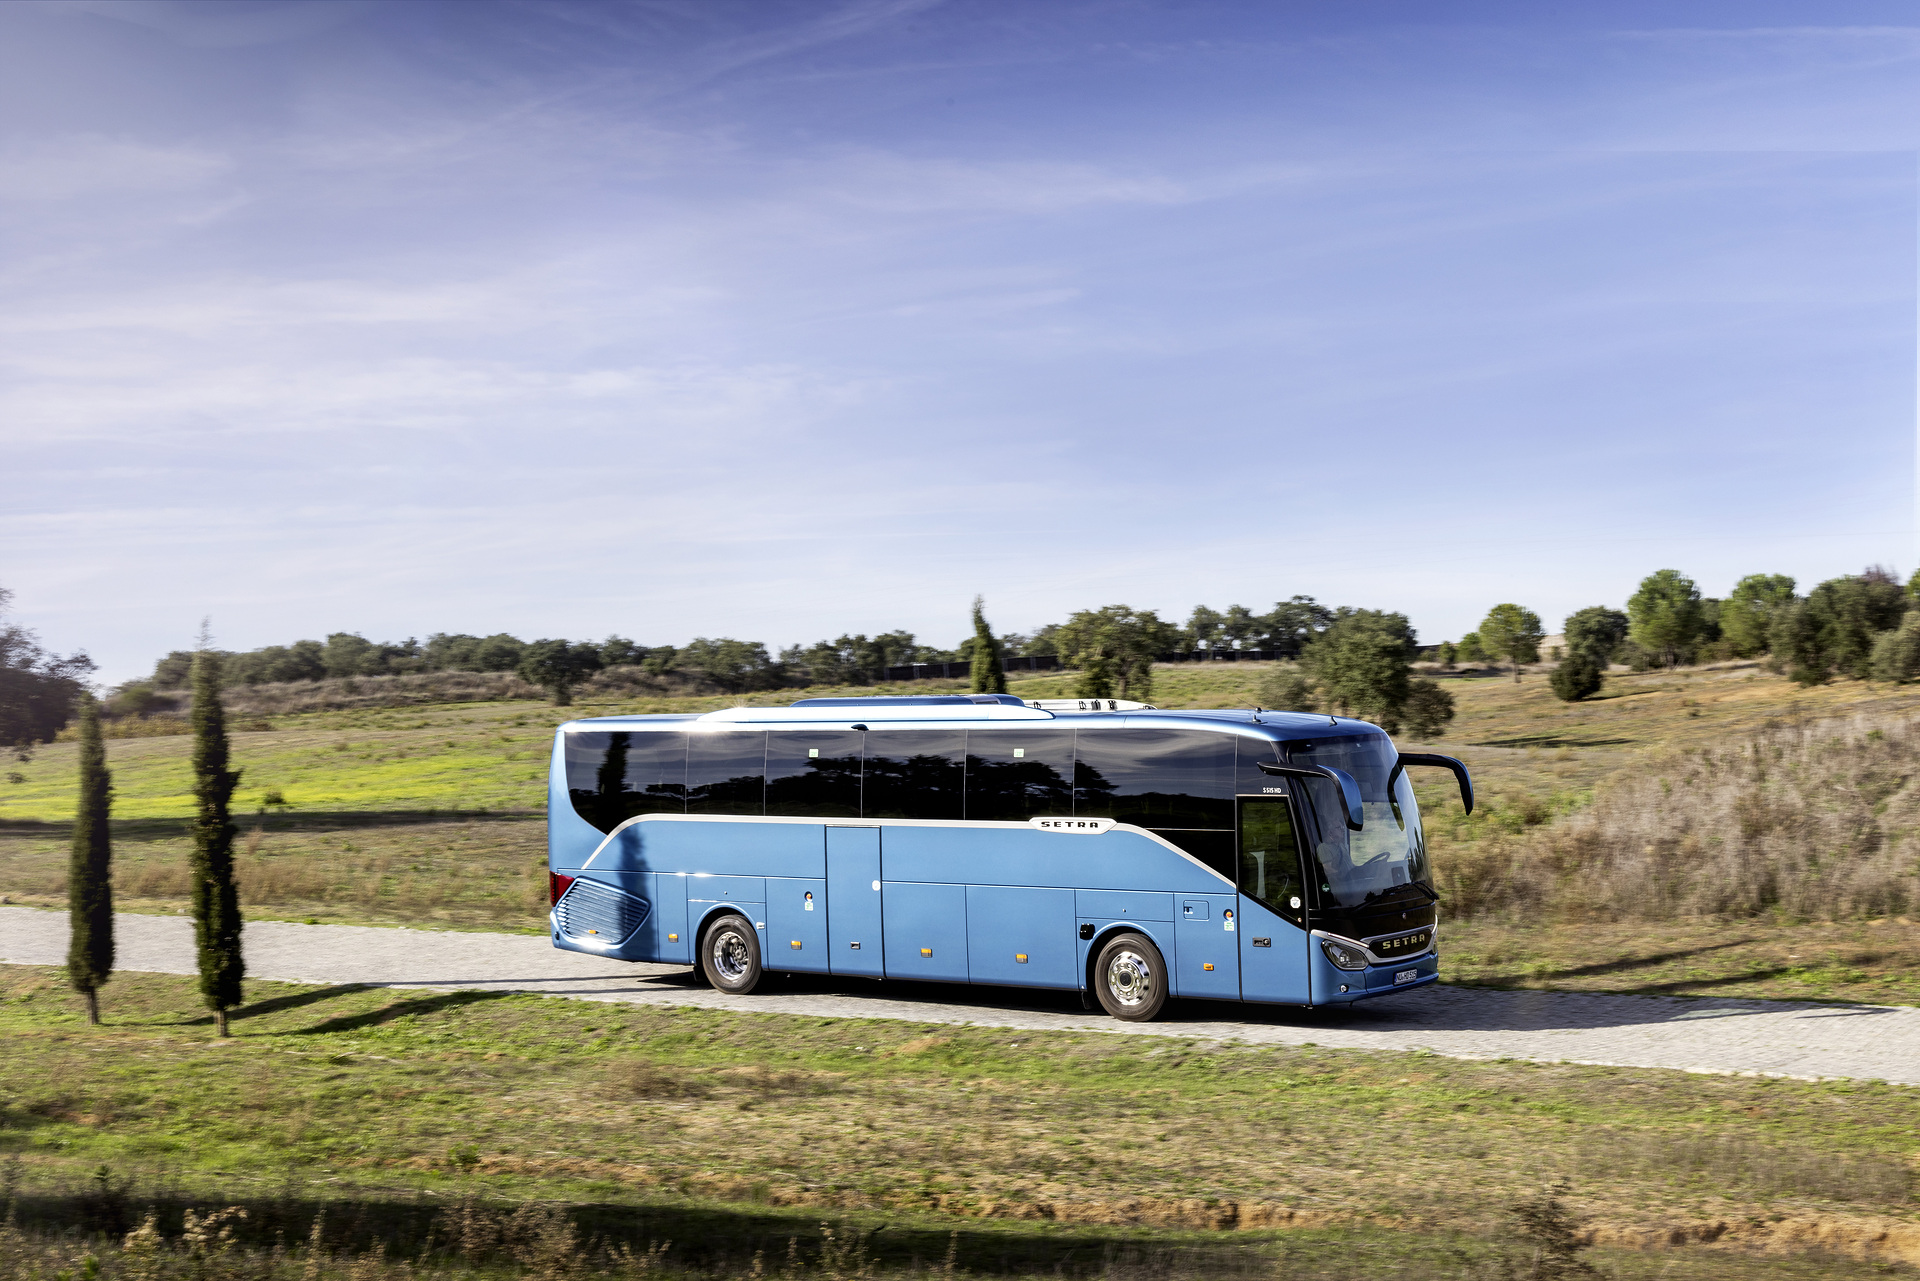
430 813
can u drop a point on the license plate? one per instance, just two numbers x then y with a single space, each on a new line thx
1406 976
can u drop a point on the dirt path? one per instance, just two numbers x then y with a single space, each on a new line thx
1764 1037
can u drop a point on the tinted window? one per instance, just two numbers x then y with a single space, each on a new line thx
613 776
726 772
814 773
1015 775
1251 781
915 773
1155 778
1270 858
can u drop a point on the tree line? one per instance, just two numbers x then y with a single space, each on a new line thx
1121 643
1863 626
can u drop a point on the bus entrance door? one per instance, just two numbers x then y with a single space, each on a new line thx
1272 925
853 901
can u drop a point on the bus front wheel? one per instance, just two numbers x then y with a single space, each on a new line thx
730 955
1130 978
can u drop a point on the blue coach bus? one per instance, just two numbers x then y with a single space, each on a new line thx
1098 846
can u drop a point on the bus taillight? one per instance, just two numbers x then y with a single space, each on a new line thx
556 886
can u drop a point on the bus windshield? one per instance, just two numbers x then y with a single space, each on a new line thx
1389 850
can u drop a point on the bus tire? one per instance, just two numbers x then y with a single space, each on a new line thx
730 955
1130 979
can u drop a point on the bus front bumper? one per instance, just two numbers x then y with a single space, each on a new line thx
1335 986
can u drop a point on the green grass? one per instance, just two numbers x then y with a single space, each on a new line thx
1037 1144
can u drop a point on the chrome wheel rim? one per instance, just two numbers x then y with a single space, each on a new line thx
730 958
1130 978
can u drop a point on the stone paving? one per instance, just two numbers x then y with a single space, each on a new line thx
1774 1038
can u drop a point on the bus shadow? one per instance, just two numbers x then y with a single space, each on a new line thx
1642 962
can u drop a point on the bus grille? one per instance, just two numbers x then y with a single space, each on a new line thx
594 913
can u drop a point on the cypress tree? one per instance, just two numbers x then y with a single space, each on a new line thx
216 904
90 868
989 668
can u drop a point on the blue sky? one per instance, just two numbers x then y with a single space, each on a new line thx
777 321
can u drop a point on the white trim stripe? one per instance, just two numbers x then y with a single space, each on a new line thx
884 823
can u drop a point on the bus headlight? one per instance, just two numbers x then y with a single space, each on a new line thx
1343 955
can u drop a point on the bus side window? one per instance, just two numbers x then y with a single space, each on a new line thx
1270 858
1155 778
727 772
1178 784
1015 775
611 777
915 773
814 773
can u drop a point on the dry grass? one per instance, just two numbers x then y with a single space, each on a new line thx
1815 822
471 873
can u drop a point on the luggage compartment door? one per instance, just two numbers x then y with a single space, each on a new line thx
1021 937
855 942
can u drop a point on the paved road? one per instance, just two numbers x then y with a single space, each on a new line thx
1773 1038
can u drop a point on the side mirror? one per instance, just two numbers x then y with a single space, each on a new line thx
1459 769
1349 790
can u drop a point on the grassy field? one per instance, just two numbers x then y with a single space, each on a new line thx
431 815
1044 1152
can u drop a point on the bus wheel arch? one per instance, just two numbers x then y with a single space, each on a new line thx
728 952
1128 975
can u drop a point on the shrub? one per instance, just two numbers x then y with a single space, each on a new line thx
1815 822
1896 654
1288 689
1577 677
1428 709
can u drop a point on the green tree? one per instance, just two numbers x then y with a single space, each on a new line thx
1746 616
1834 630
90 868
1666 616
1203 627
1512 633
1794 643
1578 676
1896 653
1363 664
557 667
989 666
1471 650
1096 678
216 903
1241 627
498 653
618 651
1598 631
1116 645
736 666
1292 623
1447 654
350 654
37 689
1428 709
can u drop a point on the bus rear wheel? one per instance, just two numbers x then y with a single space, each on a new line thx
730 955
1130 978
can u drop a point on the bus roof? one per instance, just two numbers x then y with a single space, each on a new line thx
1001 710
